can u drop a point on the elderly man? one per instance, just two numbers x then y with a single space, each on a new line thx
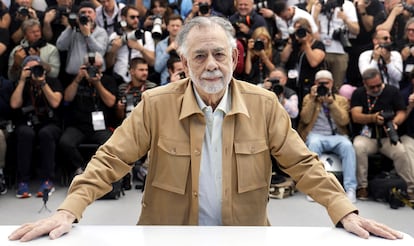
323 125
210 164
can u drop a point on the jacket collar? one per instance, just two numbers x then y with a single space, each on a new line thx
190 105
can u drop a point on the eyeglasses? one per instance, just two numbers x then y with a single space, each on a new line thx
134 17
372 87
410 29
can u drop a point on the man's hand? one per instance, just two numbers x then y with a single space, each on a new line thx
364 227
55 226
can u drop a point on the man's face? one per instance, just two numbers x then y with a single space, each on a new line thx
140 72
244 7
132 19
325 82
374 86
279 76
89 12
108 5
33 34
382 37
174 27
410 32
209 61
177 67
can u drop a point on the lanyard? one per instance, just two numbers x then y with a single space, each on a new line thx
371 105
328 116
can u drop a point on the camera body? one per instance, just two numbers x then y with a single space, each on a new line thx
258 45
301 32
408 8
92 71
134 35
341 35
260 4
36 45
388 115
322 90
61 11
37 71
386 46
73 19
277 88
203 8
157 27
23 11
330 5
32 119
182 75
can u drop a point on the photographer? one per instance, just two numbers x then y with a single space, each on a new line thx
89 100
261 57
128 43
37 97
167 47
108 14
21 10
155 19
377 110
245 20
336 19
202 8
407 54
303 56
323 125
175 69
56 20
388 62
81 36
276 82
34 44
6 126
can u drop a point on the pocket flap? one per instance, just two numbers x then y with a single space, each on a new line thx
250 147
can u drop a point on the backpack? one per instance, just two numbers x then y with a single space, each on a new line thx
381 187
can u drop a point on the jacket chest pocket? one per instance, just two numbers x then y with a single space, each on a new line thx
173 163
253 165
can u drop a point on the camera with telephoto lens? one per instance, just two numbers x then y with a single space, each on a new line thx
301 32
37 71
322 90
386 46
156 27
60 11
388 115
91 69
203 8
23 11
83 19
258 45
260 4
134 35
277 88
341 35
32 119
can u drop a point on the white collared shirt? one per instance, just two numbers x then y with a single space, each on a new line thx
210 184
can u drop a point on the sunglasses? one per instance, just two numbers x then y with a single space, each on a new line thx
134 17
372 87
386 38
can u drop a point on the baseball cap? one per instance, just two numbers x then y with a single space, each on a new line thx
323 74
86 4
27 59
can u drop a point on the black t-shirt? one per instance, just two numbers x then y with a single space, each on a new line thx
389 100
376 10
87 101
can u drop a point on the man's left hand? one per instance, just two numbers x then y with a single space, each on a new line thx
363 227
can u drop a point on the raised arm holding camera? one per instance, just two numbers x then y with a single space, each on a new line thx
377 109
37 97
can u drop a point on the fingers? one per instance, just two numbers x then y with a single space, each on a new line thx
381 230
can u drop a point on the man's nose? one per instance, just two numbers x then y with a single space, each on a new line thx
211 63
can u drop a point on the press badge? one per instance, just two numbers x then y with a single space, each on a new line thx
366 131
98 120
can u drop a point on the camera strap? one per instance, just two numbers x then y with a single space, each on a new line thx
371 106
328 116
106 26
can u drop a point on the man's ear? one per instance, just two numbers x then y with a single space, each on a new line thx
235 55
185 63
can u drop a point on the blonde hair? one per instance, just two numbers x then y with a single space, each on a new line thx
262 31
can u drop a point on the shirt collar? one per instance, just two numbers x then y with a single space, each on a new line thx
224 104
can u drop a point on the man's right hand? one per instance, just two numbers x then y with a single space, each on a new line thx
55 226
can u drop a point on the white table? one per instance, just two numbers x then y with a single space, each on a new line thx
212 236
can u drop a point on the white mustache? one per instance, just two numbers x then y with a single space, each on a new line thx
213 74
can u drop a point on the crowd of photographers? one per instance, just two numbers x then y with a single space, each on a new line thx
75 69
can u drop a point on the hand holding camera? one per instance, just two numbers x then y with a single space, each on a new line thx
389 126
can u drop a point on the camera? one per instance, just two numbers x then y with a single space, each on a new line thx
30 112
92 71
182 75
61 11
129 102
260 4
23 11
389 126
37 71
258 45
386 46
330 5
72 19
301 32
322 90
36 45
277 88
341 35
157 27
203 8
83 19
408 8
134 35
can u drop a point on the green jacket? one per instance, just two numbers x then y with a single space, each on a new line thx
169 122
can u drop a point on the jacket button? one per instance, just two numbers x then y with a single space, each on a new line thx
195 194
196 152
252 150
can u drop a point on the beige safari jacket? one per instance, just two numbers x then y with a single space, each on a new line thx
169 122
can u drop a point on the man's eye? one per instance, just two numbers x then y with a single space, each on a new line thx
220 55
200 57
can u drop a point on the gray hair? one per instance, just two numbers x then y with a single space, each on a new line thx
370 73
29 23
210 22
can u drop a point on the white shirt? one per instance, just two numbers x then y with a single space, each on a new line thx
110 20
121 65
210 184
394 68
331 45
284 26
